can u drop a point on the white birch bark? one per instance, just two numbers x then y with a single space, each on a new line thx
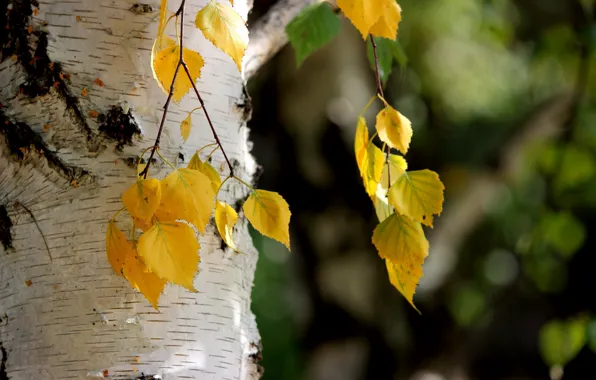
72 317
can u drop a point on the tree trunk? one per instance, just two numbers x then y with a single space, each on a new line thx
79 104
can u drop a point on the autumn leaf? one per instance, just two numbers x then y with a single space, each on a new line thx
392 170
363 13
361 142
164 61
224 27
143 224
387 24
116 247
401 242
142 198
394 129
373 162
186 194
418 194
185 128
225 219
205 168
171 251
269 214
142 279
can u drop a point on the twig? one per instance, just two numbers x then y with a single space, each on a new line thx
380 92
17 204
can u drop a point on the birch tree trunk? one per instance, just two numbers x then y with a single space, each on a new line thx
79 104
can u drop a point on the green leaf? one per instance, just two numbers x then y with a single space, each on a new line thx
314 27
577 167
560 341
564 232
388 51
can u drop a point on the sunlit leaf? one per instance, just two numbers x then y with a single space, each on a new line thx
142 198
269 214
315 26
224 27
418 194
387 24
373 162
394 129
171 251
164 60
116 247
363 13
139 276
225 219
186 194
392 170
560 341
361 143
205 168
143 224
185 128
401 242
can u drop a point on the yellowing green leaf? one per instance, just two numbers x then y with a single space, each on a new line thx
171 251
394 129
224 27
116 247
387 24
363 13
269 214
142 279
401 242
185 128
205 168
361 142
418 194
142 198
373 162
164 61
186 194
392 170
225 219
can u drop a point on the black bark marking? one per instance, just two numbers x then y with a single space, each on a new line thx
245 106
141 8
3 374
119 126
257 356
5 226
131 161
181 156
42 73
20 139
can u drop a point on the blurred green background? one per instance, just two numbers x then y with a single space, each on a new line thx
501 98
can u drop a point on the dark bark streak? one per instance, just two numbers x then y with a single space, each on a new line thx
5 226
42 73
3 374
119 126
20 139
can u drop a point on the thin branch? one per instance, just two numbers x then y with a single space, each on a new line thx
208 118
380 92
17 204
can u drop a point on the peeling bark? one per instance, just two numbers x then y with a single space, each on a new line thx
79 104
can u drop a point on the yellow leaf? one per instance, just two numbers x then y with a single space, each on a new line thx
142 198
225 219
382 207
143 224
363 13
401 242
116 247
141 278
387 24
394 129
269 214
418 194
205 168
224 27
393 170
185 128
163 10
171 251
186 194
164 61
373 162
361 142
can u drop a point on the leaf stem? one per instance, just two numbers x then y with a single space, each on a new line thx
242 182
380 93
